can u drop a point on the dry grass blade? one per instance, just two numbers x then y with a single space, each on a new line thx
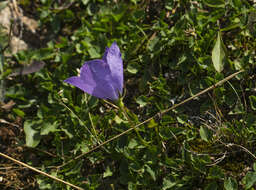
40 172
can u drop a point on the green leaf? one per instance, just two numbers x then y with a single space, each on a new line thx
78 48
48 127
85 2
216 173
118 120
93 53
133 68
182 118
212 186
167 184
44 184
215 3
152 43
131 186
230 184
142 101
237 64
32 135
151 172
43 54
249 180
237 3
18 112
134 1
68 133
132 144
218 54
205 133
107 173
253 102
152 123
118 16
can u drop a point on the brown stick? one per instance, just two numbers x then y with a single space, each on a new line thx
39 171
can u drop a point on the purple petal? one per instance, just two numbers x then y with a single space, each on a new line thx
95 79
112 57
102 78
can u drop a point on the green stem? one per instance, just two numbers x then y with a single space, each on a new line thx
123 109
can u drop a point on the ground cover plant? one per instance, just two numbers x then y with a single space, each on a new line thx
171 50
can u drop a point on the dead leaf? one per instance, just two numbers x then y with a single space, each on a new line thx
8 105
32 68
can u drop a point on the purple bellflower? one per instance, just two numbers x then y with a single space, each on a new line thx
102 78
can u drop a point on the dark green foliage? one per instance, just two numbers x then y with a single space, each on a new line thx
167 46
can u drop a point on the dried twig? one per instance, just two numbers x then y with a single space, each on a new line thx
243 148
39 171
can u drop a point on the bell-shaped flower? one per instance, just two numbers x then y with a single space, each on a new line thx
102 78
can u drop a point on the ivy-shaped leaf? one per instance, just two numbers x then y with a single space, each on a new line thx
230 184
32 135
